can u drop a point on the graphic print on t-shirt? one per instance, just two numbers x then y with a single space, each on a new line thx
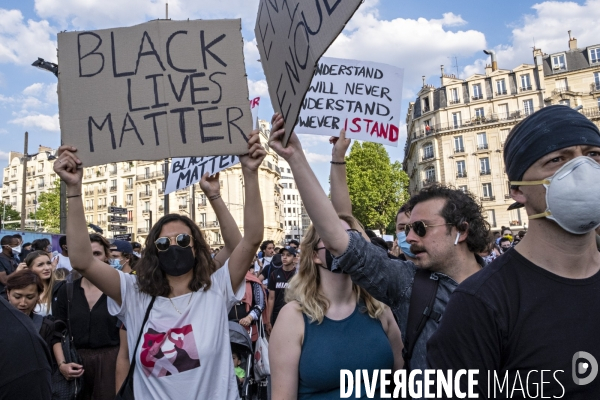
169 353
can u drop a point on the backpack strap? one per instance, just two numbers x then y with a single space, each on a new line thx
420 309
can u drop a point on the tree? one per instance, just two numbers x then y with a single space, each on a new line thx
48 208
377 187
9 214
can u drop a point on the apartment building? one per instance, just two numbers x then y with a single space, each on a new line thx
294 216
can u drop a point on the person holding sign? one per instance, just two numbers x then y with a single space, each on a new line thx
184 352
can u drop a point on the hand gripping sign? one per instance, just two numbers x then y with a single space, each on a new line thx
362 97
188 171
155 90
292 35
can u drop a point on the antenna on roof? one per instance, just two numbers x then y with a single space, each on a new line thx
455 65
167 10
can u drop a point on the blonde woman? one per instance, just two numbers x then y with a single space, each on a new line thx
329 324
39 262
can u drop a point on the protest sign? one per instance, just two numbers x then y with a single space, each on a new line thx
292 35
188 171
364 98
155 90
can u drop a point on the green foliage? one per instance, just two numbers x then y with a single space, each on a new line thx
377 187
10 214
48 208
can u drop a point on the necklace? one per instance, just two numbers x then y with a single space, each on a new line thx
176 309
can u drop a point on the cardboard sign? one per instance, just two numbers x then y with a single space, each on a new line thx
156 90
292 35
188 171
362 97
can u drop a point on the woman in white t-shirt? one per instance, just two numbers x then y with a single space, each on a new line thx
184 352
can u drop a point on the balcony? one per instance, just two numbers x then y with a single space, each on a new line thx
454 101
478 97
459 150
526 88
515 223
142 231
183 207
161 208
145 212
501 93
595 87
29 174
129 203
14 190
113 189
215 224
483 146
89 208
429 181
161 192
428 157
561 90
507 197
489 198
89 192
461 175
102 190
41 185
202 203
101 206
150 175
145 194
113 172
485 172
129 187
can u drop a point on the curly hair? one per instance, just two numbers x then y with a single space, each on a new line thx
461 211
153 281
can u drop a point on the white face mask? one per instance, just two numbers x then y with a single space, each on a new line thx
16 250
572 195
137 254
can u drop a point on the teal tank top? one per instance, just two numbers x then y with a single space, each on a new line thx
356 342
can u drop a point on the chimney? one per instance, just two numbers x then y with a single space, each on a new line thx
494 62
423 80
442 78
572 42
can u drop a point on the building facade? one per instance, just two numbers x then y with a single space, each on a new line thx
456 132
295 223
138 186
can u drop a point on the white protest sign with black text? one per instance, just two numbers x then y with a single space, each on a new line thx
364 98
187 171
155 90
292 35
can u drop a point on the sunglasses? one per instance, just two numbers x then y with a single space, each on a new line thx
181 240
420 228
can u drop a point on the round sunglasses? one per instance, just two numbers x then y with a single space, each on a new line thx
181 240
420 228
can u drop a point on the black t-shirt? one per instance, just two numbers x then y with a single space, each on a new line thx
25 366
91 329
278 281
516 318
8 265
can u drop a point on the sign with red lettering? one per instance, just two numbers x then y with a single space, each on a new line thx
292 35
362 97
155 90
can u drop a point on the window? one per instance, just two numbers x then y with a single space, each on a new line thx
479 113
484 164
595 55
461 169
597 80
146 206
528 107
291 185
598 101
428 151
492 218
458 144
430 174
147 187
503 111
129 182
129 216
289 171
487 190
147 172
426 107
203 219
477 94
456 120
463 188
113 200
454 96
503 135
427 126
561 85
500 87
129 199
284 185
558 62
525 82
482 143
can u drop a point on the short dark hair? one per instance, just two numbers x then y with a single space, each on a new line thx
18 236
521 234
504 239
152 279
264 244
24 278
461 211
404 209
370 233
6 240
293 241
40 244
101 240
62 241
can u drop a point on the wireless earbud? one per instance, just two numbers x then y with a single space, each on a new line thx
457 237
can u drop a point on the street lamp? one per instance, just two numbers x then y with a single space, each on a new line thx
48 66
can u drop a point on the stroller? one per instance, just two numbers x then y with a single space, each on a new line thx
242 344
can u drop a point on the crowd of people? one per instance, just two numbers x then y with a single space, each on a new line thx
107 319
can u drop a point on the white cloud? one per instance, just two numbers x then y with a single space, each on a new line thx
251 55
317 158
314 140
547 27
37 120
98 14
23 42
3 131
259 89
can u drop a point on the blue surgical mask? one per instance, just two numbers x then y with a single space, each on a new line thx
404 245
115 263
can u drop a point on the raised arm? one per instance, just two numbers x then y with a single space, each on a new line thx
318 206
229 229
242 256
340 195
105 277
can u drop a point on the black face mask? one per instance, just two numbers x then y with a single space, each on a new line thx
329 262
176 261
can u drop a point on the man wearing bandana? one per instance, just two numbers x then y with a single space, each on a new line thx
530 317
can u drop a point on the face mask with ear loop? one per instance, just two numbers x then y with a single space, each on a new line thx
572 196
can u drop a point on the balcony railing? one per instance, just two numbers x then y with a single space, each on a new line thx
429 181
215 223
428 157
89 192
485 172
142 231
507 197
515 223
595 87
129 187
202 203
489 198
13 190
145 212
483 146
459 150
150 175
41 185
454 101
101 206
102 190
113 172
146 194
113 188
561 90
129 203
526 88
161 191
479 97
183 206
89 208
461 175
501 93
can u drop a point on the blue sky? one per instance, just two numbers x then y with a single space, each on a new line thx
424 36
